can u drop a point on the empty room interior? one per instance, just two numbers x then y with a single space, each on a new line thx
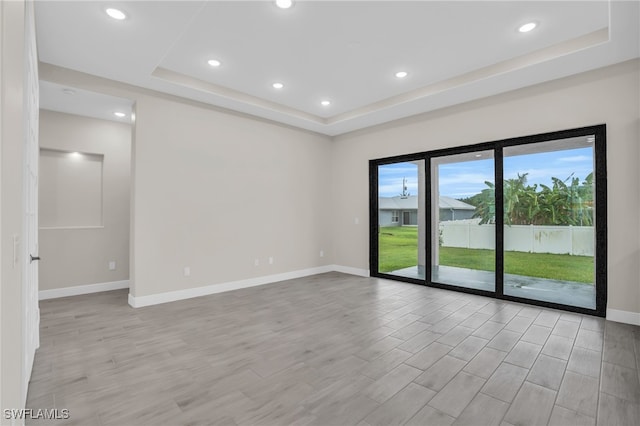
320 212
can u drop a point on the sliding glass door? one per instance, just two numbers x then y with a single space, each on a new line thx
521 219
462 220
401 235
549 239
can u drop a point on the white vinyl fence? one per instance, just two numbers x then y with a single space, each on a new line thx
575 240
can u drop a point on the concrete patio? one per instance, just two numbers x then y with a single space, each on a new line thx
563 292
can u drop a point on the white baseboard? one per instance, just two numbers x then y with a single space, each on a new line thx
155 299
351 271
172 296
82 289
623 316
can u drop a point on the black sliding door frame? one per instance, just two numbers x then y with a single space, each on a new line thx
487 146
374 225
499 200
600 222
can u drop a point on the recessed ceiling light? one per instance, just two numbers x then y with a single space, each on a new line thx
119 114
278 85
284 4
116 14
402 74
527 27
68 91
325 103
591 139
478 155
214 62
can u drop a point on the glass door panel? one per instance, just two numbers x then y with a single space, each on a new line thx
549 217
463 220
401 219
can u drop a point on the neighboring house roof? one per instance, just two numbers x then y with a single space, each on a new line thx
398 203
452 203
411 203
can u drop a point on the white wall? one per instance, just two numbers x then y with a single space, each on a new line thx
214 191
80 256
70 189
12 113
608 95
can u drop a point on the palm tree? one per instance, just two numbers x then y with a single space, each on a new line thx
524 204
486 204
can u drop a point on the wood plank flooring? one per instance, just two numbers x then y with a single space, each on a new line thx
332 349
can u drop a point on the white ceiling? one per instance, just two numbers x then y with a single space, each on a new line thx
71 100
347 52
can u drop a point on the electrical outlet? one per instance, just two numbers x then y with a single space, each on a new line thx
187 271
356 220
271 261
321 253
256 262
112 265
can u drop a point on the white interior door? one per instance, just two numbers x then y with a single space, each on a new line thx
31 312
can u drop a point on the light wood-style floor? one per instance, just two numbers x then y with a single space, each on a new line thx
333 349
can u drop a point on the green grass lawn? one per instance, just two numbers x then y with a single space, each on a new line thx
399 249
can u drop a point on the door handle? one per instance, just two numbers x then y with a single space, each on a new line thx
33 258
